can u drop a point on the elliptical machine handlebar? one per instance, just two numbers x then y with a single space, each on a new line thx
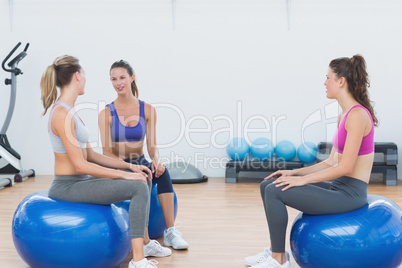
26 47
8 56
14 62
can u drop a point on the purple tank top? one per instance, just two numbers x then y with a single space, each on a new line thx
122 133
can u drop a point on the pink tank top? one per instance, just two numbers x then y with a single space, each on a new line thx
339 139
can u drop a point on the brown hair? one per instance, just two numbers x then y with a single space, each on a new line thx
58 74
124 64
354 71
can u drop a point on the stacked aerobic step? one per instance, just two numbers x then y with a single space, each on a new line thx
234 167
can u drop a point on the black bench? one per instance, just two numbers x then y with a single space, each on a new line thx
234 167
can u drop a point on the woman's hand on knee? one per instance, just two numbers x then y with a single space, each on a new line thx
135 177
142 169
289 182
158 168
279 173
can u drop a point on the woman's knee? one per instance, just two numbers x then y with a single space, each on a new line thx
264 185
165 175
164 183
271 191
139 189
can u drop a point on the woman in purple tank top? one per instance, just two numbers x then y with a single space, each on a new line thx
336 185
124 124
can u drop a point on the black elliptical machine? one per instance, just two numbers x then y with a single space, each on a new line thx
10 161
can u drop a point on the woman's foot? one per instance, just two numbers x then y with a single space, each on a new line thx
256 259
144 263
154 249
260 257
272 263
172 238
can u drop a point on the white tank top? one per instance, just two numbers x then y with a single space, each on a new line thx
81 132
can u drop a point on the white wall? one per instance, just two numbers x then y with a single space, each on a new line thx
222 55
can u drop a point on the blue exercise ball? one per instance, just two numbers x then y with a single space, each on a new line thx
285 150
238 149
307 152
50 233
156 224
367 237
262 148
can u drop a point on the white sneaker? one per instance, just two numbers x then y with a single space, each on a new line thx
272 263
144 263
153 248
172 238
260 257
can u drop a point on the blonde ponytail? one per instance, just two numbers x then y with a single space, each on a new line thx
48 87
59 74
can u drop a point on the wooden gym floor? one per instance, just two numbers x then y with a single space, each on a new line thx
223 223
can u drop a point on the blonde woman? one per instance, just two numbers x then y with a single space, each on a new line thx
81 174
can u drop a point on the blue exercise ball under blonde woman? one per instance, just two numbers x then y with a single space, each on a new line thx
336 185
124 124
81 174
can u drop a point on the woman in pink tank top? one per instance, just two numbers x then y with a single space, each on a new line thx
336 185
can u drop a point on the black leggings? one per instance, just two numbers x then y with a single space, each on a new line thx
339 196
164 181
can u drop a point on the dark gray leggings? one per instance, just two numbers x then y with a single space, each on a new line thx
339 196
92 190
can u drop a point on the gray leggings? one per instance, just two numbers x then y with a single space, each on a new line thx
92 190
339 196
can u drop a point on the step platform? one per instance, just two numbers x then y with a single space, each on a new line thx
234 167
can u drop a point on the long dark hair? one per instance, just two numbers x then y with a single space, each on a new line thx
354 71
124 64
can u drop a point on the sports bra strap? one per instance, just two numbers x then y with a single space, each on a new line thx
56 105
